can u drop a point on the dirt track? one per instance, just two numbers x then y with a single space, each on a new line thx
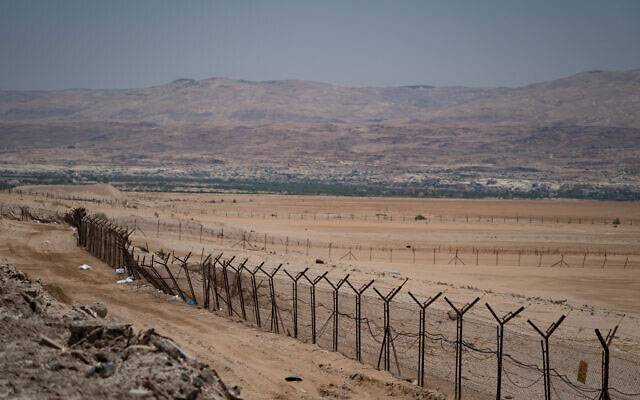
254 360
592 296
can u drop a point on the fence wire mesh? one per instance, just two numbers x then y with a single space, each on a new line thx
522 376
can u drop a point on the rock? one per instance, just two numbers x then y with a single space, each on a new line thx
140 392
134 349
207 375
192 394
80 356
55 366
357 377
103 370
293 378
45 341
452 315
234 391
99 308
164 345
93 330
33 303
101 357
198 382
87 310
319 261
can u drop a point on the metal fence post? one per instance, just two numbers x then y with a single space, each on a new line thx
294 289
312 292
459 343
238 271
605 342
254 293
274 305
422 333
359 293
500 340
336 315
544 343
387 341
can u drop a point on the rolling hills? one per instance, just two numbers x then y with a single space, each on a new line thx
582 131
592 98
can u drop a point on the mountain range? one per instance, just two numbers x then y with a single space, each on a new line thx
595 98
581 133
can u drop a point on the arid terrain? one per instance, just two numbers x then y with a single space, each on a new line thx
51 350
320 201
256 361
553 257
575 137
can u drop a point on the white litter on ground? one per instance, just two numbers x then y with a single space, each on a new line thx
128 279
121 271
85 267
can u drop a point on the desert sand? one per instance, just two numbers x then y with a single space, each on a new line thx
370 238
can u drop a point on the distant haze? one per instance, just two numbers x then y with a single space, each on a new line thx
595 98
122 44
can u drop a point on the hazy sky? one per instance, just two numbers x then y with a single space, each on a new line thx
132 43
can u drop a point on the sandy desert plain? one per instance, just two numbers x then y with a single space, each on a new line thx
553 257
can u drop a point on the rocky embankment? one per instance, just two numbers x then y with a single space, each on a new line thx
48 350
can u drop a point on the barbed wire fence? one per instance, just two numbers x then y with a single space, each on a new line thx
237 238
592 257
385 327
232 210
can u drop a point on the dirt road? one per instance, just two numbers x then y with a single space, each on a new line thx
256 361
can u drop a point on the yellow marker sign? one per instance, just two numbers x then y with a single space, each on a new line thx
582 371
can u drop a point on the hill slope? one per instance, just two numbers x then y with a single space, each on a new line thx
578 133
